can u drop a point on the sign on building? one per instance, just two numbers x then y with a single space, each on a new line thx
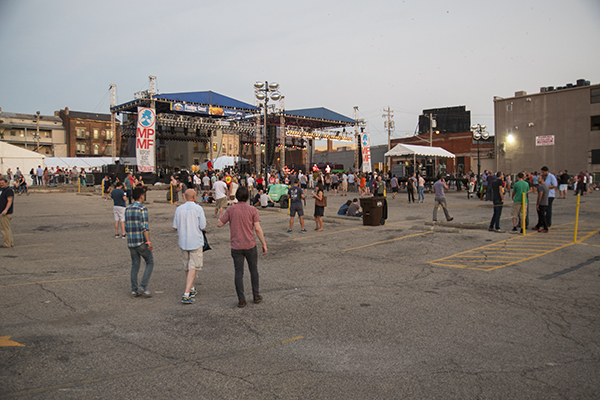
544 140
366 152
145 139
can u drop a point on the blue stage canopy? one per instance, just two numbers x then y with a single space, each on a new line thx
207 98
320 113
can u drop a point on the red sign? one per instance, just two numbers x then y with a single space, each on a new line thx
544 140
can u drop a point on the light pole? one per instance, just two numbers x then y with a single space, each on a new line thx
37 130
263 91
479 132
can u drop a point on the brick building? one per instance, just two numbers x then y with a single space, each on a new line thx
89 134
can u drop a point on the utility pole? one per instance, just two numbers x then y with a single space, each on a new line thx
389 124
37 135
113 102
282 132
432 122
357 137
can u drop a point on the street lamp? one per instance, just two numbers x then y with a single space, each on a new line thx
263 91
37 131
479 132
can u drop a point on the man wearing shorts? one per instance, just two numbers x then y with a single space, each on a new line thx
189 222
564 185
296 194
220 188
119 204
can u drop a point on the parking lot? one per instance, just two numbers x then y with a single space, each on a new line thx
404 310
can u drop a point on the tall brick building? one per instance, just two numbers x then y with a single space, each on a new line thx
90 134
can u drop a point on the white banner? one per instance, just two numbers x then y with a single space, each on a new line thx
366 152
145 138
544 140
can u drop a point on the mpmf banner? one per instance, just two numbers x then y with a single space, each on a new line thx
145 138
366 152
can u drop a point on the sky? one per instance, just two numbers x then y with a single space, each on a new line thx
408 55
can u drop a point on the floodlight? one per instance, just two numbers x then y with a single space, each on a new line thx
485 135
260 96
275 96
273 86
476 135
259 85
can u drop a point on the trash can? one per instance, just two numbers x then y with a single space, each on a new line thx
373 210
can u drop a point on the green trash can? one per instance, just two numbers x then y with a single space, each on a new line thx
373 210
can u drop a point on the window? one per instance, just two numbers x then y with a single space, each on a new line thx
109 135
595 125
96 134
596 156
595 95
96 149
22 133
80 133
13 133
48 134
108 150
80 148
509 107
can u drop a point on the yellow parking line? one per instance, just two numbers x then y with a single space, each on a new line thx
472 259
387 241
346 230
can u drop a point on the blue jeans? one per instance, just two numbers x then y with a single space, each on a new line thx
137 253
421 190
251 255
495 223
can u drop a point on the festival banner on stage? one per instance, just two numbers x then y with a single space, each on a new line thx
196 109
366 152
145 138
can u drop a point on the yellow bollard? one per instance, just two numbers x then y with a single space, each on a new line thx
171 188
102 188
79 185
576 218
524 212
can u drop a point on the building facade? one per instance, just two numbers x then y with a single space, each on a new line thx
558 128
22 130
90 134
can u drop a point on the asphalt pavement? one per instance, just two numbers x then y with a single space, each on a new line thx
407 310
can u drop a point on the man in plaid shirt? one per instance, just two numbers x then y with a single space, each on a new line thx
138 241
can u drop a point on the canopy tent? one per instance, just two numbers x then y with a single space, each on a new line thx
86 162
403 150
222 162
14 156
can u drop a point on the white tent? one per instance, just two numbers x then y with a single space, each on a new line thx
85 162
416 150
14 156
222 162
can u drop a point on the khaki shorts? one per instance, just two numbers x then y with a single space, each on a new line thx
517 210
119 213
192 259
222 202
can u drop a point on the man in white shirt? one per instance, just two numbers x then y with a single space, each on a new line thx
250 183
266 201
220 188
351 182
189 222
206 182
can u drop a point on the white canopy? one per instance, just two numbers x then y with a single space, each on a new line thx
84 162
416 150
13 156
222 162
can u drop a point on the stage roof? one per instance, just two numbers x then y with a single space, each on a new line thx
206 98
320 113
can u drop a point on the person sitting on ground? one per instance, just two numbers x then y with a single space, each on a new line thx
354 209
344 208
256 199
210 199
266 201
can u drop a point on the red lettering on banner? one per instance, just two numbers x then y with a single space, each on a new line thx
144 143
145 133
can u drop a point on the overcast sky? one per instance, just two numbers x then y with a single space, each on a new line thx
409 55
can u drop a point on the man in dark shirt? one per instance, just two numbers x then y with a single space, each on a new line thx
563 185
497 189
489 195
354 209
6 210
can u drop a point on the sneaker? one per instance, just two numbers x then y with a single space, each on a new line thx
187 300
491 229
257 299
303 231
290 231
135 294
124 237
193 292
514 230
543 230
498 230
145 292
450 219
117 236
